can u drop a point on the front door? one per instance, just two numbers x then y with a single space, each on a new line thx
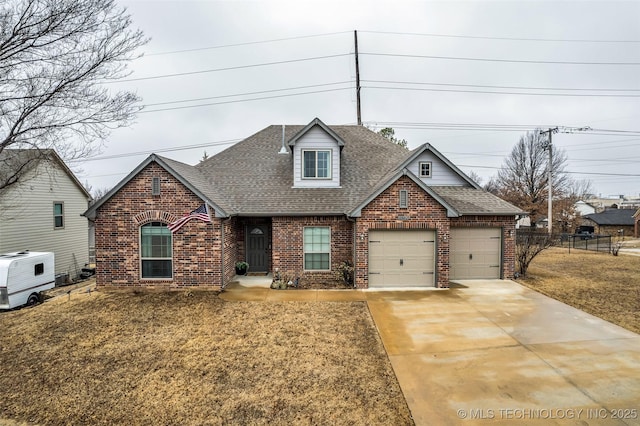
257 248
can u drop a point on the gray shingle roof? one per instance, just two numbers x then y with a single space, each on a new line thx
471 201
619 217
251 178
256 180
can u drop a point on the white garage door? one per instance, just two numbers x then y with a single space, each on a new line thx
401 258
474 253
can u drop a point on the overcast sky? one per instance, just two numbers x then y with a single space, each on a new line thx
425 69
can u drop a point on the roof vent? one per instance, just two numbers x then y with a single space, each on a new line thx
284 149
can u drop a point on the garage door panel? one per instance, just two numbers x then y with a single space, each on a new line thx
475 253
401 258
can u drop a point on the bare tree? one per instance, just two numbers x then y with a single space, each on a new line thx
55 56
475 177
528 246
523 179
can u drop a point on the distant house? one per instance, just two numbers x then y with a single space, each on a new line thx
611 222
303 200
42 212
583 208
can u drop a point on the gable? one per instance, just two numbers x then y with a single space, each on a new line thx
314 143
137 194
440 172
415 203
187 176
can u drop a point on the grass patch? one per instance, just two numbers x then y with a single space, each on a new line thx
601 284
190 358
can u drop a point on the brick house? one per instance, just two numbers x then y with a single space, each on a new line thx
615 222
303 200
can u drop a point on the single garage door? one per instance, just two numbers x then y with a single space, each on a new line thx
401 258
474 253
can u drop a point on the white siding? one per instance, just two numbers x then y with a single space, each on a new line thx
26 218
316 138
441 174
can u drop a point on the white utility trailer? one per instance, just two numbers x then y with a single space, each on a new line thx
23 275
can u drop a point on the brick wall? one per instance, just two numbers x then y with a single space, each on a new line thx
231 229
197 245
288 250
422 212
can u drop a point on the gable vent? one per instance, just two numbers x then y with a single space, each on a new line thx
403 201
155 186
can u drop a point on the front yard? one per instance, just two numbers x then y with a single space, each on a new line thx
601 284
192 358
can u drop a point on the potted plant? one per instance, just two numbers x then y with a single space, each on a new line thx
242 268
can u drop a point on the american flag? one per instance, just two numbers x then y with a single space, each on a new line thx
201 213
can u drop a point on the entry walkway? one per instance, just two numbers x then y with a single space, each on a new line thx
487 352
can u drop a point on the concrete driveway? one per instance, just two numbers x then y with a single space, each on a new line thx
494 352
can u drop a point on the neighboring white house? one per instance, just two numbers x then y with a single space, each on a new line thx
583 208
42 212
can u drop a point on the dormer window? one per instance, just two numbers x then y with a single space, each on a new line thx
425 169
317 164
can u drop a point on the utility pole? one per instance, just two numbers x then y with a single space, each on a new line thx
355 37
549 146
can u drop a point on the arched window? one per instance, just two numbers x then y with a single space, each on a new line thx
155 251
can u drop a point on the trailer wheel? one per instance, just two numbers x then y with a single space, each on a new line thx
33 299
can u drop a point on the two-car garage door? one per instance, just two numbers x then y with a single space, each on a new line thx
401 258
407 258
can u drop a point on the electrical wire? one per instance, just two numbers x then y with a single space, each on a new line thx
264 64
247 43
499 87
501 38
513 61
243 100
247 93
486 92
156 150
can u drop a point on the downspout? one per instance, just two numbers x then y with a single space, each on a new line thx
355 251
222 241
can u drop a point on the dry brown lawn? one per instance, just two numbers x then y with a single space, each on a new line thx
601 284
191 358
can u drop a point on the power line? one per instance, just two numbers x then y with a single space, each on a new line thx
181 74
502 93
503 38
243 100
198 49
493 127
568 172
515 61
500 87
170 149
246 93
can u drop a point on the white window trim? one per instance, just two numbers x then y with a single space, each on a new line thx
153 258
304 253
329 163
420 169
55 215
